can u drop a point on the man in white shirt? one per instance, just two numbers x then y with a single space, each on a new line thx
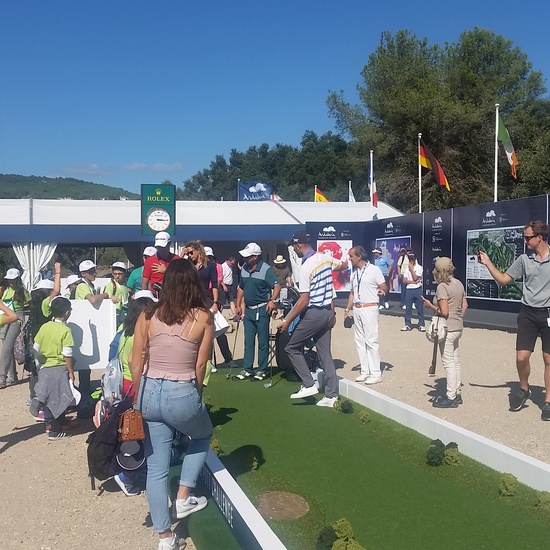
227 286
412 277
367 285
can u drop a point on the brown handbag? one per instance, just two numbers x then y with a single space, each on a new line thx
130 426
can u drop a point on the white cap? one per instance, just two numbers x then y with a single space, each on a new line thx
86 265
149 251
44 283
162 239
119 265
145 294
208 251
12 273
72 279
251 249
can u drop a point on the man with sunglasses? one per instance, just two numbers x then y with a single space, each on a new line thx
534 316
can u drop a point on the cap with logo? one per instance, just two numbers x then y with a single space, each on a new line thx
302 237
86 265
12 273
71 279
44 283
377 250
251 249
149 251
162 239
208 251
131 455
119 265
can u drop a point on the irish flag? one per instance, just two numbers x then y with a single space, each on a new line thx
504 137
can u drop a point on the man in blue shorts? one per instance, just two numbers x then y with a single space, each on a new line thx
534 315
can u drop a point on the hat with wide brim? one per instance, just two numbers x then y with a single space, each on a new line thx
279 260
131 455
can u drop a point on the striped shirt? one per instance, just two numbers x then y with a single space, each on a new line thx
316 278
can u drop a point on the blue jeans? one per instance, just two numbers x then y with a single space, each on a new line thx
168 406
414 295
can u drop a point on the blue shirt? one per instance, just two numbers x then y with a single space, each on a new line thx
384 263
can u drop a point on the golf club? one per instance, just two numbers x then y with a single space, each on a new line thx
271 354
229 374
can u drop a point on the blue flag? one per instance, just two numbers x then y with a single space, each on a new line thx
254 191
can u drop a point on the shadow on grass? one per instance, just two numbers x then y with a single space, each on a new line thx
243 459
219 417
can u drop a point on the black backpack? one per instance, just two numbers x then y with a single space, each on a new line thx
103 444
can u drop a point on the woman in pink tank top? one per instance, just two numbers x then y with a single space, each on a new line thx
173 342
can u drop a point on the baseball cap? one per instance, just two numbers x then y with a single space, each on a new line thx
44 283
86 265
302 237
119 265
251 249
444 264
162 239
149 251
412 255
145 294
12 273
131 455
208 251
379 250
72 279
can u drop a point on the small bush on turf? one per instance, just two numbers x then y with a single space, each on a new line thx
543 501
207 402
508 485
347 407
216 446
338 406
452 456
435 453
344 539
364 417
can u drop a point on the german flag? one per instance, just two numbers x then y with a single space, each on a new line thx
320 196
427 160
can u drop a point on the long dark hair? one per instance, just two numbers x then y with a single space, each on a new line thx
135 307
19 290
181 293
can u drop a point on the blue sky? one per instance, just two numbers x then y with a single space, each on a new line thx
132 92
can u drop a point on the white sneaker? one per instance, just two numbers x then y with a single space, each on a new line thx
386 305
403 307
185 507
214 369
172 543
361 377
327 402
305 392
414 306
380 308
373 380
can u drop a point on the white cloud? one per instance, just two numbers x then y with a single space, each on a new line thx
135 167
86 170
163 167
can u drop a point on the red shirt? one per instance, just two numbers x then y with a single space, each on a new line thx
148 269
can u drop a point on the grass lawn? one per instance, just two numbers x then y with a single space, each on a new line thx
373 474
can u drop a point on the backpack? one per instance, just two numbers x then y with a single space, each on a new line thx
103 444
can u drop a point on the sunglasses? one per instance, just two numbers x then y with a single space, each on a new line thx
527 238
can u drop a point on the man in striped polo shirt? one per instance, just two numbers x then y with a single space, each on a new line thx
316 319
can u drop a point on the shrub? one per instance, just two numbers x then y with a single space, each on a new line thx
207 402
216 446
543 501
435 453
347 407
452 456
338 406
342 529
364 417
508 485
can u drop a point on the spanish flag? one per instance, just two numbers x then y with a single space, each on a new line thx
427 160
319 196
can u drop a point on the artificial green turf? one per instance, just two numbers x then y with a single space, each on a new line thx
374 474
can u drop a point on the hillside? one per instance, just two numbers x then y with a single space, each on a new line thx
13 186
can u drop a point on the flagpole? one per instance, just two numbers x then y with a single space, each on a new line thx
238 189
371 177
315 194
419 176
495 194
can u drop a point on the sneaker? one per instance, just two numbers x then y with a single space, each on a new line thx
305 392
244 374
373 380
380 308
214 368
414 306
406 328
34 407
39 417
29 399
403 307
386 305
183 508
361 377
128 489
327 402
56 436
518 399
260 375
545 414
459 399
422 329
443 402
172 543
